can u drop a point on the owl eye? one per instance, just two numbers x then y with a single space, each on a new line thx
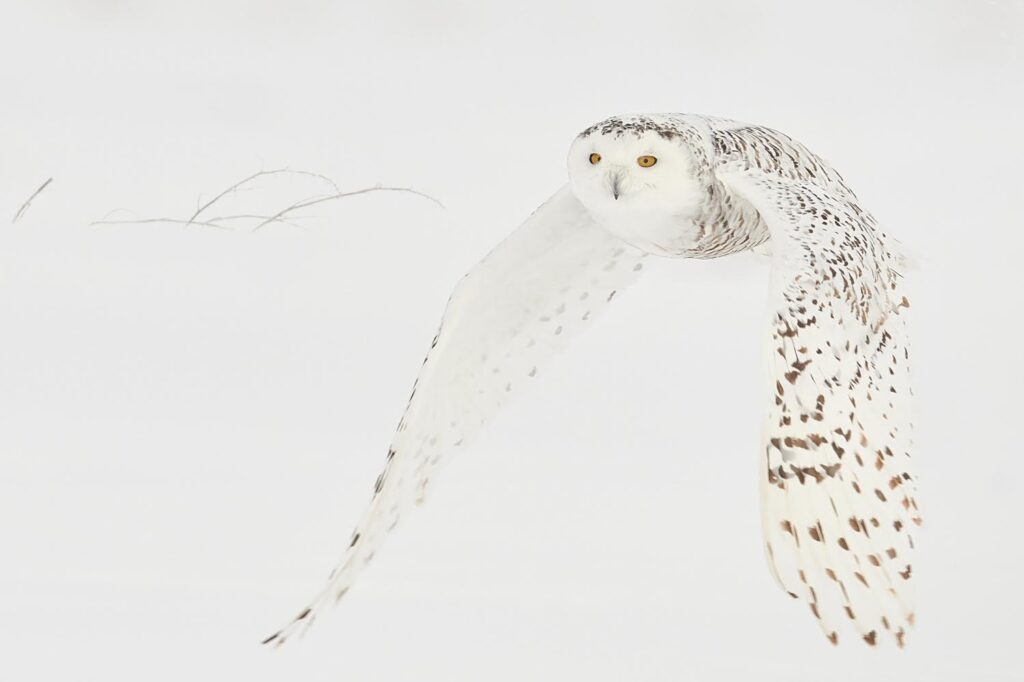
647 161
595 158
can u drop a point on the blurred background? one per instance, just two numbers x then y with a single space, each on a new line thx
192 418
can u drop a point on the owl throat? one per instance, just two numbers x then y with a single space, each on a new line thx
722 226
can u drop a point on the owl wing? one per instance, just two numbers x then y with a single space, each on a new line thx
838 501
518 306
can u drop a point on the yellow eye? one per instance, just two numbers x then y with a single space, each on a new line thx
647 161
595 158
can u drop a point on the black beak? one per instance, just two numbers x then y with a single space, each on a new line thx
615 187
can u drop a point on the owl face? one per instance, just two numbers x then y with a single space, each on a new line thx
638 184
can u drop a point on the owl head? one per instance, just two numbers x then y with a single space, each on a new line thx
638 177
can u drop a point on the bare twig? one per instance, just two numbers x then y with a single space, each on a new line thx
237 185
341 195
249 216
240 216
28 202
260 220
318 176
139 221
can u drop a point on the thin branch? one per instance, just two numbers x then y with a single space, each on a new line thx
28 202
227 191
237 185
174 221
341 195
240 216
317 176
212 222
260 220
249 216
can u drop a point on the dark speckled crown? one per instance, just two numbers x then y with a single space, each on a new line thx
635 125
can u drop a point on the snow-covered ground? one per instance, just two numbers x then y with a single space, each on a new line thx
192 419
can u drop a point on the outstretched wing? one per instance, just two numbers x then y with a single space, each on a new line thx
837 493
541 285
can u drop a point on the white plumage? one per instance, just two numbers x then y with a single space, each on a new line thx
837 493
838 502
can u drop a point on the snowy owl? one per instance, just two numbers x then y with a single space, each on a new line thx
837 494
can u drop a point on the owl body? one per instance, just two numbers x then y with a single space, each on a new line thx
838 493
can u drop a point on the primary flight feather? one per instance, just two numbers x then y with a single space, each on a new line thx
838 504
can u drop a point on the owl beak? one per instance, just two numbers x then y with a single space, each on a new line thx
616 183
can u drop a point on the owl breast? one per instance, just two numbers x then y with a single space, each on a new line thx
657 234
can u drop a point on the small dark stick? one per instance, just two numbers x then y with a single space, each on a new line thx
28 202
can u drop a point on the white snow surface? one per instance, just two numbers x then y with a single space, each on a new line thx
191 419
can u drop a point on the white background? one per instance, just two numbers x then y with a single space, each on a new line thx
191 419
